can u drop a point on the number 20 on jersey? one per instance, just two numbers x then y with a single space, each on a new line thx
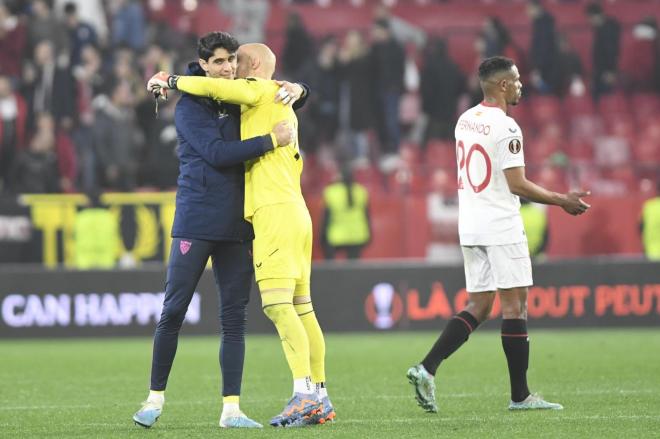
464 161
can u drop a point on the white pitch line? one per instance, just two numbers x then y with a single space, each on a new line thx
44 407
430 421
334 398
417 421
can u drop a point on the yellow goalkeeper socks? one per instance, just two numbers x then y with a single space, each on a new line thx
306 314
278 306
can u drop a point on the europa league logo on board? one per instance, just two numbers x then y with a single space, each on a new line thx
383 306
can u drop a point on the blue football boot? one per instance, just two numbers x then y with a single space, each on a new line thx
148 414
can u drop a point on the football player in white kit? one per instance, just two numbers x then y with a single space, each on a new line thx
491 176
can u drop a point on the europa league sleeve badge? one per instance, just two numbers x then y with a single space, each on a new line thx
515 146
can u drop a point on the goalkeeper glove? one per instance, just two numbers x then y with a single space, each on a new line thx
160 83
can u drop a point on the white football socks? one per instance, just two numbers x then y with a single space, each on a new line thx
230 409
303 385
156 397
321 391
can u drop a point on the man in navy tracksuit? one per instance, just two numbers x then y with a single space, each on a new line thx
209 222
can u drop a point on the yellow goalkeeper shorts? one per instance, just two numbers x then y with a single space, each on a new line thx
282 246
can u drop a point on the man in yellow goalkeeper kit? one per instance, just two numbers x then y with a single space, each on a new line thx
274 204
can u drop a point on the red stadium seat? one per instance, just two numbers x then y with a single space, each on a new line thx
308 180
540 150
523 116
408 180
370 177
317 175
622 126
651 129
622 178
410 154
637 61
580 152
550 177
646 152
546 108
585 128
614 103
441 154
584 176
552 130
645 106
462 50
611 151
578 105
209 18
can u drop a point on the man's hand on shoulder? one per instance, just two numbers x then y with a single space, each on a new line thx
289 92
284 133
160 83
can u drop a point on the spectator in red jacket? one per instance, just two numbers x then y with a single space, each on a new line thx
12 42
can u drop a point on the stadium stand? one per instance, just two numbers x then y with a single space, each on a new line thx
611 145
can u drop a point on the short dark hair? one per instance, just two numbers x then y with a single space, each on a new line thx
70 8
383 23
110 87
493 65
215 40
593 8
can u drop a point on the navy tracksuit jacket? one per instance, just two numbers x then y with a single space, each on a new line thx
209 222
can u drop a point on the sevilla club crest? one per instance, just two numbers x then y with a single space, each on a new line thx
184 246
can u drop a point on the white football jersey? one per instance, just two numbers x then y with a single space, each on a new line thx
487 142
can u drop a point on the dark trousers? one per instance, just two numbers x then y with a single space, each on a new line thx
387 122
232 267
352 251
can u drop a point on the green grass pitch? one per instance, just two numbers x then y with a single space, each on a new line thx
608 381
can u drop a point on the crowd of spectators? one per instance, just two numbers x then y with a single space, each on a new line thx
75 115
74 111
396 102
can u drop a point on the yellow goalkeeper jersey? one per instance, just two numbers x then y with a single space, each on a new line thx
273 178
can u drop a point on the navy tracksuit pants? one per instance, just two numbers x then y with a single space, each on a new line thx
232 267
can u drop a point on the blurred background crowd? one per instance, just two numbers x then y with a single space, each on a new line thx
388 80
387 88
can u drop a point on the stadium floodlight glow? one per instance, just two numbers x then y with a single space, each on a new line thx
190 5
156 5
